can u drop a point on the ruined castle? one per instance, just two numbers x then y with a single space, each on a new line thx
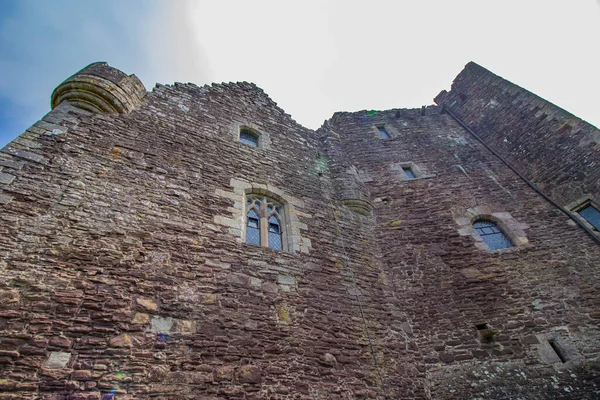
197 243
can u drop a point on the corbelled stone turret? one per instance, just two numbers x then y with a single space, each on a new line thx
100 88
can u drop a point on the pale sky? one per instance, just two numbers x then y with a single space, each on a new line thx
312 57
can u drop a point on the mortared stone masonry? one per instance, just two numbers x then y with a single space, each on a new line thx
125 273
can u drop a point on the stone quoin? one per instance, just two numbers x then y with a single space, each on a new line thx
197 243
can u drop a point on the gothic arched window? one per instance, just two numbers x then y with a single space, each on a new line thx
492 235
264 222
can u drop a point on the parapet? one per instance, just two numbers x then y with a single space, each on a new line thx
100 88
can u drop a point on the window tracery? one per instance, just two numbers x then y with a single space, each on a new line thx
265 222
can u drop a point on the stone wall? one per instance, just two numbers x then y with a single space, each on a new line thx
553 148
125 273
447 284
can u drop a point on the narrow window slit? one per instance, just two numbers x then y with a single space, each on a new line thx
557 350
383 133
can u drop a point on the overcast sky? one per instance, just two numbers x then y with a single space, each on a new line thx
312 57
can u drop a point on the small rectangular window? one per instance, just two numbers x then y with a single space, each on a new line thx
409 173
591 215
383 133
248 137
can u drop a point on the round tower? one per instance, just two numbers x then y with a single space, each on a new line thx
100 88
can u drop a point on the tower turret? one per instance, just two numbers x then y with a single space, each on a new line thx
100 88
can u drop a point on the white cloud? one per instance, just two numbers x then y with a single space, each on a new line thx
312 57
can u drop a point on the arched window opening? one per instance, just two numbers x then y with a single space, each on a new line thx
492 235
264 225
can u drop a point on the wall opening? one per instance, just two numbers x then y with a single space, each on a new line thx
557 350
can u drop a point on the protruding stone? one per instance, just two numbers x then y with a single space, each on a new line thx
359 206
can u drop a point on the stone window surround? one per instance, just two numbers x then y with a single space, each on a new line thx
418 171
582 202
264 138
264 220
512 228
236 220
392 132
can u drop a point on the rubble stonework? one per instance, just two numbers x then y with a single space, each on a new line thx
125 274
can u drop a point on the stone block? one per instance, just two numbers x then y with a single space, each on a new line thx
57 360
161 324
147 305
6 179
249 374
286 280
140 319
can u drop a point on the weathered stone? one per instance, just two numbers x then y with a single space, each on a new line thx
249 374
123 340
60 341
286 280
57 360
224 373
147 305
161 324
6 179
184 326
9 298
140 319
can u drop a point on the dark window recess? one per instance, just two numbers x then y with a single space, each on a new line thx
253 228
557 350
408 171
248 137
591 215
492 235
383 133
274 233
487 334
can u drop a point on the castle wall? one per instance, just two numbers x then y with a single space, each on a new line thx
556 150
124 271
447 283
